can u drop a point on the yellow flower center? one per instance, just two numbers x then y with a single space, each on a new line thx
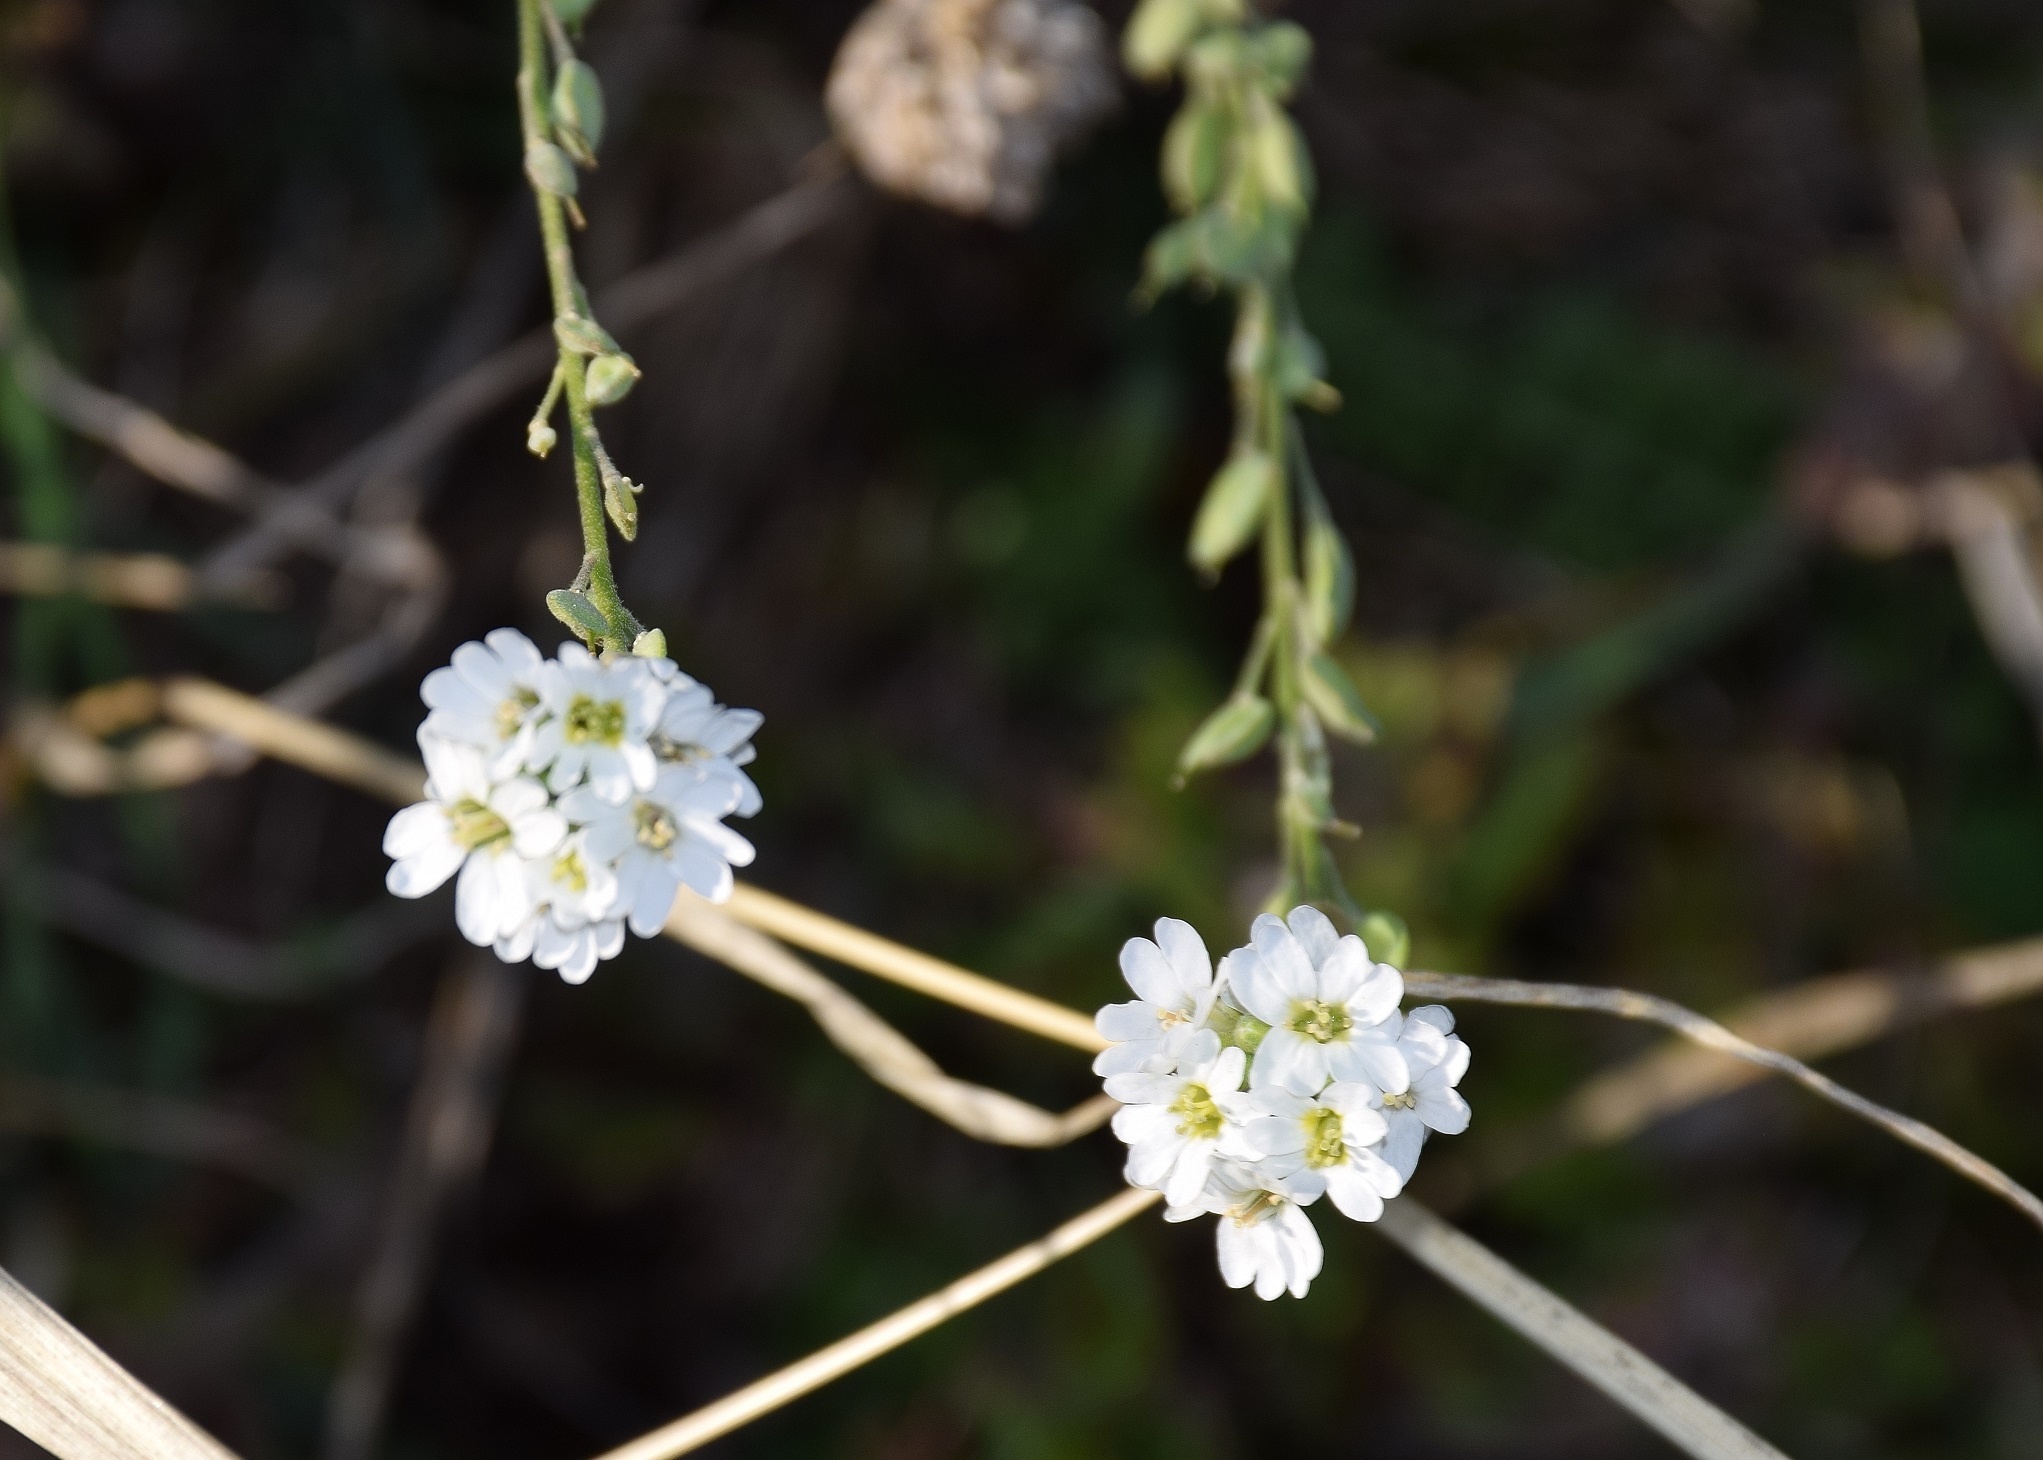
655 828
593 721
1321 1021
1403 1100
667 748
1198 1117
1324 1145
475 825
1259 1205
512 712
570 871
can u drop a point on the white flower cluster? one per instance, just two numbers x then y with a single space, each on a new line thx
1289 1076
574 795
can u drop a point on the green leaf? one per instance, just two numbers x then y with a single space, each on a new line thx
1233 509
549 170
1333 696
610 378
1233 732
578 614
1329 579
578 111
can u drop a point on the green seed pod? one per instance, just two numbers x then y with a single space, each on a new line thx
572 12
1233 732
1333 695
581 336
652 644
611 378
1279 159
578 111
1157 35
1386 937
578 614
620 500
540 438
549 170
1233 509
1282 50
1192 149
1329 580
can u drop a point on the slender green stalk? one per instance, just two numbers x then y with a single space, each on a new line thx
598 579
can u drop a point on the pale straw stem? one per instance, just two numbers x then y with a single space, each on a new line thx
692 1431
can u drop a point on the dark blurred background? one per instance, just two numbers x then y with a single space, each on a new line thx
1626 304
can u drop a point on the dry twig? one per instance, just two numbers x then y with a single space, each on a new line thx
474 1021
693 1431
1650 1008
879 1049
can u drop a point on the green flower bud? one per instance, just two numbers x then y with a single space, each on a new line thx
1157 35
540 438
652 644
578 111
1386 937
1329 579
1333 696
1233 732
549 170
578 614
582 336
1192 149
1233 509
610 378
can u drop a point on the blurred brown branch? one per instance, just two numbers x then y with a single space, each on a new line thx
468 1042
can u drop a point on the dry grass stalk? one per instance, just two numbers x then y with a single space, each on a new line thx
1659 1399
60 1390
693 1431
819 933
1650 1008
149 581
879 1049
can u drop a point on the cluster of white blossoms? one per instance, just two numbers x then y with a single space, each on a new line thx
1290 1076
574 795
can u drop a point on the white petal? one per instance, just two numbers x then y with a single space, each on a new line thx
537 833
1352 1195
1313 929
1186 952
1136 1019
651 894
1377 995
476 911
1287 1058
1444 1110
1151 976
423 871
1259 991
1407 1137
1237 1251
701 870
1188 1174
1366 1055
415 829
1344 971
1437 1015
1284 957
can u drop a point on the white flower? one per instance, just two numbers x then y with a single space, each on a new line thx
1263 1237
1175 1125
1328 1006
695 730
1174 992
575 923
659 841
488 697
597 720
1310 1146
1437 1060
484 827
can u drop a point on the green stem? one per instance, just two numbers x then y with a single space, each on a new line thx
568 300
